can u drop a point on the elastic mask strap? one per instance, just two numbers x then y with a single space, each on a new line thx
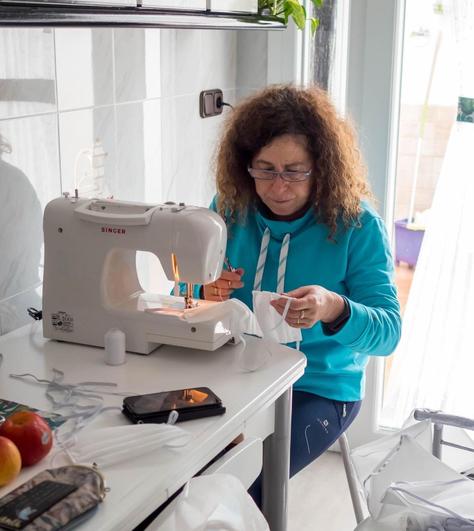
282 263
282 318
257 283
65 400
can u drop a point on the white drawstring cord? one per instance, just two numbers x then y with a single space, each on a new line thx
262 257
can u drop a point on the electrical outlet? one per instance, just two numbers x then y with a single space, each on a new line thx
210 102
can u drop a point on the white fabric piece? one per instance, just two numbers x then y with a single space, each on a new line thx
429 505
216 501
205 312
273 325
407 488
243 319
368 457
410 462
108 446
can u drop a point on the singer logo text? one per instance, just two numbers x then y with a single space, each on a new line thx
113 230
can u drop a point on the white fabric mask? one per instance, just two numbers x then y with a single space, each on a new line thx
243 320
107 446
272 324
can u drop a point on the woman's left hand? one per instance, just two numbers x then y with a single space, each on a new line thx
312 304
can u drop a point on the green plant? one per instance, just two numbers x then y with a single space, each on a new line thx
290 8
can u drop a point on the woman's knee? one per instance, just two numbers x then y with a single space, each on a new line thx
317 422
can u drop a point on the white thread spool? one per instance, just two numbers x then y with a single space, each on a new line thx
114 345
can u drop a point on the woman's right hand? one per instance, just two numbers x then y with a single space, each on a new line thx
221 289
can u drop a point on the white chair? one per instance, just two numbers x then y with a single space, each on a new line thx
413 455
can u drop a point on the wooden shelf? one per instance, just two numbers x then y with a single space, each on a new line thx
54 15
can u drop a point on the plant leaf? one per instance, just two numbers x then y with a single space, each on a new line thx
314 25
291 8
297 12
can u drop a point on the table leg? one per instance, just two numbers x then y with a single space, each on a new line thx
276 466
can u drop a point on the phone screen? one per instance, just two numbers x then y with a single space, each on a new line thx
169 400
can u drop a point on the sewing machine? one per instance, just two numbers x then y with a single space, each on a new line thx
91 284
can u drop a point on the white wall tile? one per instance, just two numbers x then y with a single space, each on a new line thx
180 62
139 152
130 63
219 60
153 62
27 80
84 133
152 151
252 47
130 178
84 67
181 149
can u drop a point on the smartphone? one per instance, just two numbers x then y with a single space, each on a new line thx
192 403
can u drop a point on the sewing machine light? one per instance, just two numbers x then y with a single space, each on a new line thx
175 269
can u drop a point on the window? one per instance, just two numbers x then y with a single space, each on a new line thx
434 224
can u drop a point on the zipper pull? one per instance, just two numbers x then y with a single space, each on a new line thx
344 410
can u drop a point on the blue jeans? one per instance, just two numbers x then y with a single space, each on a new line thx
316 423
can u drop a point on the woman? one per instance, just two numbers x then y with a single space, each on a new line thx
291 187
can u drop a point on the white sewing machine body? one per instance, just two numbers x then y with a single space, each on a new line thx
90 282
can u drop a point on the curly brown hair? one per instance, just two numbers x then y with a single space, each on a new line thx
339 174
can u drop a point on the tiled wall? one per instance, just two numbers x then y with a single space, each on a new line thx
111 112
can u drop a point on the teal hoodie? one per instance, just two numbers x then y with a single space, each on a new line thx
358 265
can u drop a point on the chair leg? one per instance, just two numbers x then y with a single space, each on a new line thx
351 479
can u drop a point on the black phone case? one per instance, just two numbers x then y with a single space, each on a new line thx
184 413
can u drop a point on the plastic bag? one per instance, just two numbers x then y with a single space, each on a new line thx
218 502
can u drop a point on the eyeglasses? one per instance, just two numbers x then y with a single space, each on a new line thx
271 175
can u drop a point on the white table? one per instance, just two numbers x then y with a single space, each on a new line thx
141 485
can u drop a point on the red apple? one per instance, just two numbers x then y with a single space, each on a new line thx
10 461
30 433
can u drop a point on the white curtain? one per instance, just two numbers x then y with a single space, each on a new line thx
433 366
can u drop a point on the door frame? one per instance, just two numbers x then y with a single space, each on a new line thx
373 87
